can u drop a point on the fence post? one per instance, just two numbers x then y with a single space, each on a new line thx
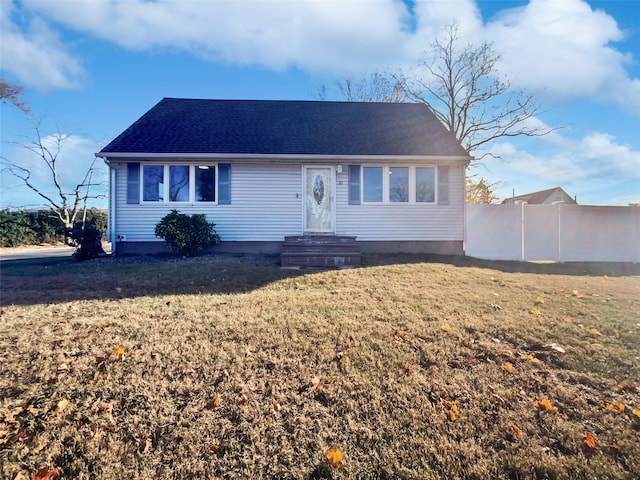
522 231
560 232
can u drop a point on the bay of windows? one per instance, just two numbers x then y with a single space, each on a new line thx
179 183
398 184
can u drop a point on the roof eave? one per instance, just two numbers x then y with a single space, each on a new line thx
282 158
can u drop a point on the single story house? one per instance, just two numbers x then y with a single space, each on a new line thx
388 174
543 197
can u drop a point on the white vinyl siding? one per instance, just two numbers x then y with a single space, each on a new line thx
265 206
267 202
402 221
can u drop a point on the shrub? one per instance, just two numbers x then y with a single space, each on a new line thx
15 228
87 239
186 235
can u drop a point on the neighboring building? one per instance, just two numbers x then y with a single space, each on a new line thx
389 174
550 196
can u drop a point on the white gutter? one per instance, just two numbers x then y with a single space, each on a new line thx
281 158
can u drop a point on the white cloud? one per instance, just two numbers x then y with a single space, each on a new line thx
36 56
314 35
595 161
565 48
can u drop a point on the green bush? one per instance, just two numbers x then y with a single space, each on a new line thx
15 229
19 227
186 235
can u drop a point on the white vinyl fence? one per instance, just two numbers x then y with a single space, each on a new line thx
564 233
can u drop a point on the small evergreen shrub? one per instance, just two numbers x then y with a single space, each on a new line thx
186 235
88 240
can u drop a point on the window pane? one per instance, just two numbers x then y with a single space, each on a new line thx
153 187
179 183
372 184
205 183
425 185
398 184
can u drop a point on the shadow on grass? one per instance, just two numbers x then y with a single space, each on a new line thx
611 269
62 279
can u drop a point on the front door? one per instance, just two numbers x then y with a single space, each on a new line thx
319 199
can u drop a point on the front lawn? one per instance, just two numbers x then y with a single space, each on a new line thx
220 367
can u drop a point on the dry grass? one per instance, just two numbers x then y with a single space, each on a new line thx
371 361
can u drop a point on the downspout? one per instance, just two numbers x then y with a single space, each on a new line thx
112 210
111 206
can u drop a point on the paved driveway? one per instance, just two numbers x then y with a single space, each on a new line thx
38 251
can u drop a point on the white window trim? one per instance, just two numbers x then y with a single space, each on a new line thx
386 184
192 183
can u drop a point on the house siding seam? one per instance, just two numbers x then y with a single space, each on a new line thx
267 204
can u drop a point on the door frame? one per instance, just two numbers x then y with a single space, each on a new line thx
332 174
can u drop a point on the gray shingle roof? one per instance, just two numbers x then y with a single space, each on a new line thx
286 127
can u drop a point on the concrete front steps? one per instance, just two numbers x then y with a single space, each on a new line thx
329 251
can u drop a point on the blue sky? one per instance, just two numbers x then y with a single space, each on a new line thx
91 68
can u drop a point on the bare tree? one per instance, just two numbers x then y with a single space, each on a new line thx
11 93
462 88
69 205
377 87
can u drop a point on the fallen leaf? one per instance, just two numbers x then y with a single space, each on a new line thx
23 436
545 405
454 413
536 312
118 353
507 367
615 449
46 474
530 358
215 402
215 448
615 407
335 457
62 404
590 441
539 300
636 413
446 327
507 354
516 433
399 332
595 331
